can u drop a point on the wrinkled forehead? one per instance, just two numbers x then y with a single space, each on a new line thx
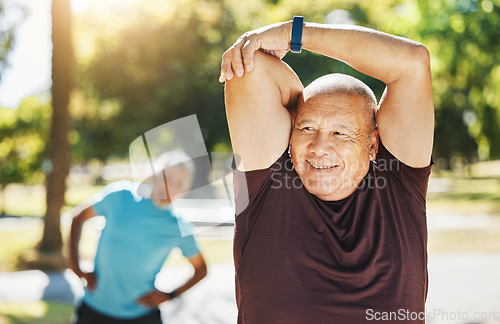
331 106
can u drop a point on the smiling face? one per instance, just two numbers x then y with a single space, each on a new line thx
332 143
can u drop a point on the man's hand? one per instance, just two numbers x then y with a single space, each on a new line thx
273 39
90 278
153 299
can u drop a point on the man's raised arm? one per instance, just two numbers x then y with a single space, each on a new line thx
257 115
406 112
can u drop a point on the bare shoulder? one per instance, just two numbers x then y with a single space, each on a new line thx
257 111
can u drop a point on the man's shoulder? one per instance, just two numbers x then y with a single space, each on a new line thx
116 190
121 187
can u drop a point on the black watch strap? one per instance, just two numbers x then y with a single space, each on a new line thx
297 26
172 294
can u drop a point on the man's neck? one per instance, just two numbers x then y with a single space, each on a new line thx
162 204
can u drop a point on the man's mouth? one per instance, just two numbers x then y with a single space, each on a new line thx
322 167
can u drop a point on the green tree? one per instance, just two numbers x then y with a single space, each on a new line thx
50 248
161 61
151 71
463 38
153 68
24 133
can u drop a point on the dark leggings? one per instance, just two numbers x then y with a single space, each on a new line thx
87 315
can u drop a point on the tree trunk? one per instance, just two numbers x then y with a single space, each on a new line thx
59 148
2 196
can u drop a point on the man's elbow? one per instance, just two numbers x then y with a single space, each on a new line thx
263 67
421 57
201 271
82 213
200 267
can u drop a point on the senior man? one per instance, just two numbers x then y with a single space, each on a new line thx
335 228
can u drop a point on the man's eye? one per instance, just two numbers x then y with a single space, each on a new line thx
338 133
307 129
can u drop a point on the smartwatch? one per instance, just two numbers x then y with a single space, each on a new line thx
297 26
171 294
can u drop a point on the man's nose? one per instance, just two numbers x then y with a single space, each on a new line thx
321 145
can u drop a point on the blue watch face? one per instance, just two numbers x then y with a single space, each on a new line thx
296 43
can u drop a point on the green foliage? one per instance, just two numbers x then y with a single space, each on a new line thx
153 68
151 71
464 39
158 61
23 132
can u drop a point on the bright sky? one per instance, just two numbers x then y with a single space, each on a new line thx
29 71
30 65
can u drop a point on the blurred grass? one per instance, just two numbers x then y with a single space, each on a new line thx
14 243
464 195
39 312
15 196
448 193
465 241
459 193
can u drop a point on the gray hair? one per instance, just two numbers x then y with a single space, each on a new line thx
173 158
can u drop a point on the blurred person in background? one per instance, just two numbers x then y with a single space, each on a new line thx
141 230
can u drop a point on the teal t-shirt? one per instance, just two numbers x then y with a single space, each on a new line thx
134 244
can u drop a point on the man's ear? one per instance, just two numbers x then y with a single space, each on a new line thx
373 144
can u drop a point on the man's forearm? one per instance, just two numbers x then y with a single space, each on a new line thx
74 239
83 213
197 276
380 55
73 254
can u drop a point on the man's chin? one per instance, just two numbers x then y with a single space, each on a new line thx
323 192
328 191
